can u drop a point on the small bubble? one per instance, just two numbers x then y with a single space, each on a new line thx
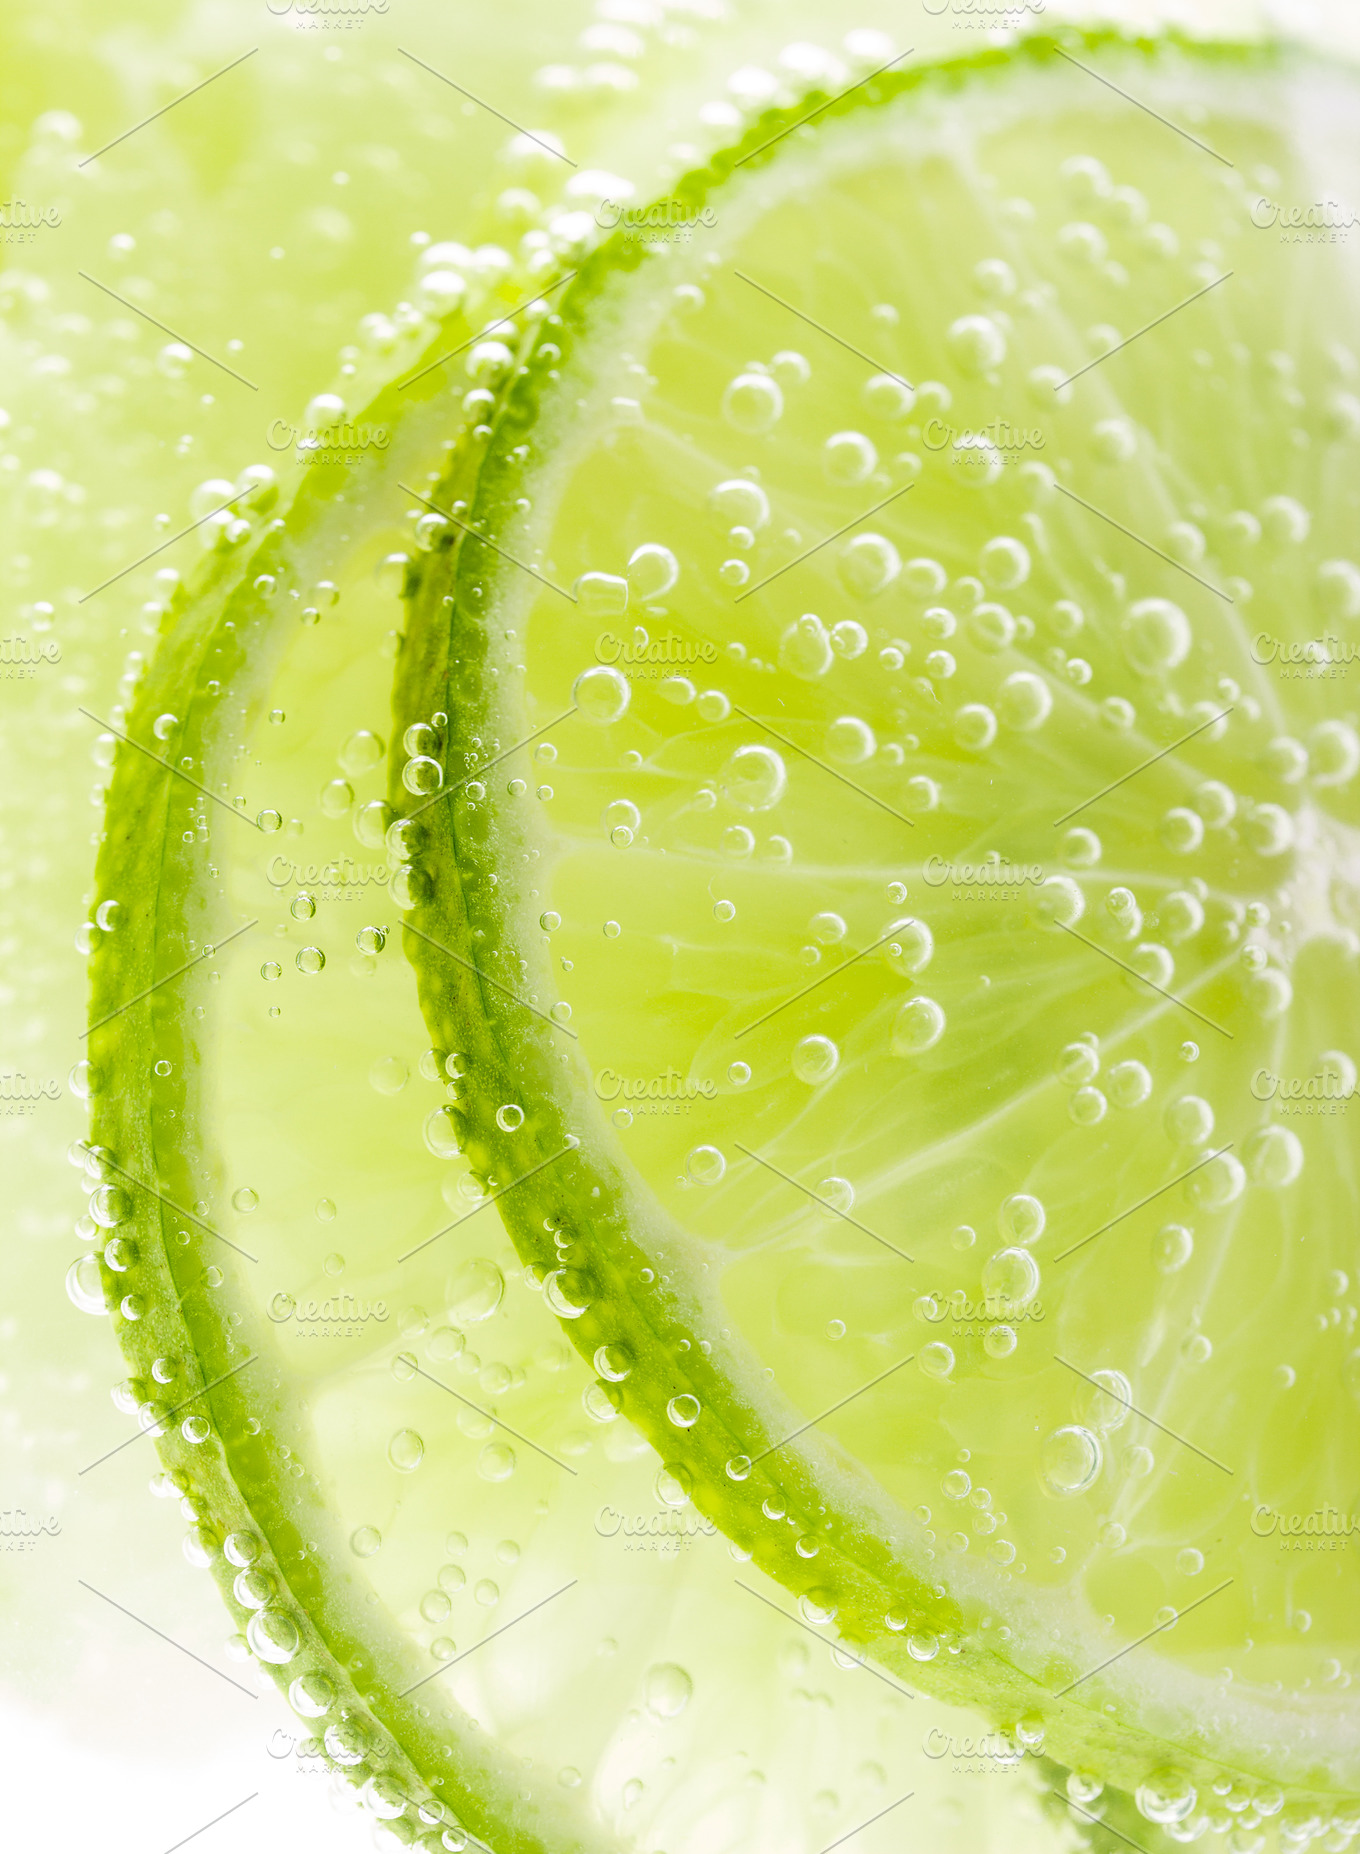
815 1059
310 959
245 1200
683 1411
406 1451
364 1541
705 1165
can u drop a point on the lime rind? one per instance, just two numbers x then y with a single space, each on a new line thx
226 1422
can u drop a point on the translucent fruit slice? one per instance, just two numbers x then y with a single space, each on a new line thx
880 816
428 1523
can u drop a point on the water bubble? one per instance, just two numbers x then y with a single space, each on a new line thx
754 778
1024 701
850 741
364 1541
1106 1405
1189 1120
567 1292
869 564
1021 1219
683 1411
752 403
1338 588
999 1341
496 1463
1218 1183
601 694
1004 563
422 775
724 910
739 501
110 1205
815 1059
850 457
406 1451
739 1073
1172 1247
1079 1063
302 907
1129 1084
976 343
1273 1155
974 727
917 1027
705 1165
371 939
805 648
849 639
888 397
1010 1278
336 797
273 1635
667 1690
310 959
1168 1796
85 1285
509 1118
1070 1460
1157 636
476 1290
936 1360
652 571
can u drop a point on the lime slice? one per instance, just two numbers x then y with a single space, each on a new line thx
431 1529
882 901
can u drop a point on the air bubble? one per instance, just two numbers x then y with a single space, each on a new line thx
406 1451
815 1059
753 403
1070 1460
601 694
